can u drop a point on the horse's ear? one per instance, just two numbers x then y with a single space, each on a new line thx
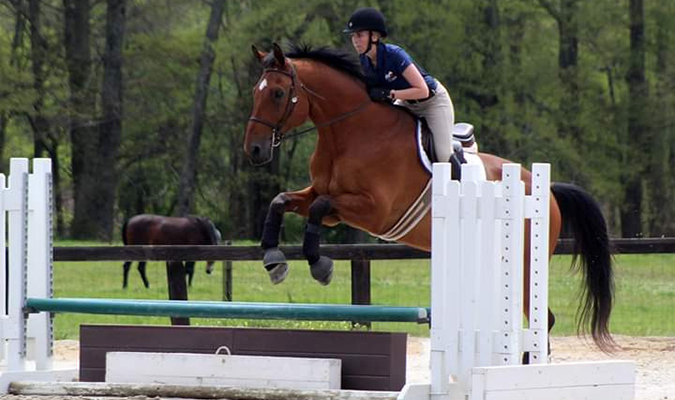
257 53
279 55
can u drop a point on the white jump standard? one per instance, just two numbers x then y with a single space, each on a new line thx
26 212
477 335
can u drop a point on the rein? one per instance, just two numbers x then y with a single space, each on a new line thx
277 134
331 122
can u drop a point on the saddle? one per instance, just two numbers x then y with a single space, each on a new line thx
462 140
462 135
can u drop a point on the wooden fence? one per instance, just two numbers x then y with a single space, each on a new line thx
359 254
336 252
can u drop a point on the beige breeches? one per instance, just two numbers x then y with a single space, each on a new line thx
440 115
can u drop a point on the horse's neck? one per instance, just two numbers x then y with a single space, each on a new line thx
333 94
372 132
330 93
376 135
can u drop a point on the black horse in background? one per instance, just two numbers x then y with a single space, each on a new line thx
148 229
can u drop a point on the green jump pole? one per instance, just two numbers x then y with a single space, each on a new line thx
235 310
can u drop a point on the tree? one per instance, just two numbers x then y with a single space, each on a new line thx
189 172
38 120
110 128
45 135
638 130
660 176
555 81
569 114
83 132
7 69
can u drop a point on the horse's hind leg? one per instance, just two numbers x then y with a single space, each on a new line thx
189 271
144 277
320 266
125 274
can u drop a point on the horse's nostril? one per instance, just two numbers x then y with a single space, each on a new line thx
255 151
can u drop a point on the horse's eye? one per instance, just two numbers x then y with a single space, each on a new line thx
278 93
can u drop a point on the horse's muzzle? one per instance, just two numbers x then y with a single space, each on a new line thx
259 154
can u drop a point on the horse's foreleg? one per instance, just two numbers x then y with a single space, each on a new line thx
320 266
273 259
358 210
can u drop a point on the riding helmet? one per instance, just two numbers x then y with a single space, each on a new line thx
366 19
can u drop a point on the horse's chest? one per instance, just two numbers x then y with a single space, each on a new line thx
335 182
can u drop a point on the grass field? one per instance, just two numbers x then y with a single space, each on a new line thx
645 292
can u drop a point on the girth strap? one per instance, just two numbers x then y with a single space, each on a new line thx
412 216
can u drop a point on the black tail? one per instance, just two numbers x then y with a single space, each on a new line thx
582 216
124 232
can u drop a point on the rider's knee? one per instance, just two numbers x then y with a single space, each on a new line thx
444 153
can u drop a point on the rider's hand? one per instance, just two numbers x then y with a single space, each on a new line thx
379 94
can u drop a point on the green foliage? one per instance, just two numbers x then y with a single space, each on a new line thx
16 93
502 73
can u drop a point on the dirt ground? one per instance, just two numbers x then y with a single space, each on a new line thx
655 358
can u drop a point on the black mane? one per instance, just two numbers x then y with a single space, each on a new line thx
338 59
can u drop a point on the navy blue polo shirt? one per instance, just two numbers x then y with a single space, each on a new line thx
392 60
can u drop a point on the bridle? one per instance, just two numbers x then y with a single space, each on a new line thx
292 99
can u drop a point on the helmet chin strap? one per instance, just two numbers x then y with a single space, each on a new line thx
370 43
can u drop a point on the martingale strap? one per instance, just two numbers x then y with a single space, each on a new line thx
412 216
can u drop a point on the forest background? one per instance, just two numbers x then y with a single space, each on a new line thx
142 104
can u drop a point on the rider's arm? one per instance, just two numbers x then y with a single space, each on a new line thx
418 89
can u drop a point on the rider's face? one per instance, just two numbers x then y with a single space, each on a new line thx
360 41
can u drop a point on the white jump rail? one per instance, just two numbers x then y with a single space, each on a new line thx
477 329
223 370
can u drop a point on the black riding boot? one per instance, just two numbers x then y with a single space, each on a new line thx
456 167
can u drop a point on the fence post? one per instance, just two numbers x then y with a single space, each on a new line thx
361 286
227 277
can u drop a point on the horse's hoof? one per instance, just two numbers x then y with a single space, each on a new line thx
275 264
278 273
322 270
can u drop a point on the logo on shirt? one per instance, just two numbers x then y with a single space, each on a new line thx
390 76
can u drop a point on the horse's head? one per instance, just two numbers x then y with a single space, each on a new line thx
277 105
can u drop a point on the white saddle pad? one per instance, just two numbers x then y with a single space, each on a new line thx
471 158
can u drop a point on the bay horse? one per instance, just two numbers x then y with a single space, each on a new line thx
149 229
365 172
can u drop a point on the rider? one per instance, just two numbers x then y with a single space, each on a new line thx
392 75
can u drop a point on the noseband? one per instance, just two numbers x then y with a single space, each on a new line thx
277 132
